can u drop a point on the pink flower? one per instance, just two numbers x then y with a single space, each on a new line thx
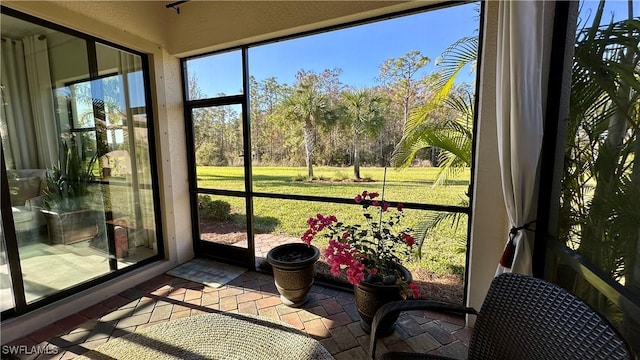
408 239
415 289
308 236
352 246
340 254
355 273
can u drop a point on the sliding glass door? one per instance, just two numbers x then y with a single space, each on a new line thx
76 140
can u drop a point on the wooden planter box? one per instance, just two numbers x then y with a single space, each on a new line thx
71 227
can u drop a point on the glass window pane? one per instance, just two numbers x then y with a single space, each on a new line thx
217 132
78 168
326 120
599 206
6 288
215 75
223 220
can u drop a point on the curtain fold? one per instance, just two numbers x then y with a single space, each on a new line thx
519 108
27 123
36 55
16 119
130 68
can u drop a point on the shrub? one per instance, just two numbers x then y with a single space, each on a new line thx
299 178
341 176
213 209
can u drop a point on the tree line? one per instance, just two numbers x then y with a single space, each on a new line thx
319 120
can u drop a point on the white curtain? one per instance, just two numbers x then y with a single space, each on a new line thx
27 122
130 68
522 47
16 120
36 55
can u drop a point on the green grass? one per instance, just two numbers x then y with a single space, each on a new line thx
441 253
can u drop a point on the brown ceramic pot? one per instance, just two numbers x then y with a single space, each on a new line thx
370 297
293 271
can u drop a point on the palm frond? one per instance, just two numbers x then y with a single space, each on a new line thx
433 219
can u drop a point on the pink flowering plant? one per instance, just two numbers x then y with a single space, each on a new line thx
370 252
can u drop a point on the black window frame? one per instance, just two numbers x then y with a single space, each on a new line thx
246 257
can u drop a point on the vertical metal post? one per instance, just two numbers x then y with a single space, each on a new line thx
11 241
248 159
555 132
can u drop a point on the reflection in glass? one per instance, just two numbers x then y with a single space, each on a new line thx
6 288
215 75
223 220
217 138
80 187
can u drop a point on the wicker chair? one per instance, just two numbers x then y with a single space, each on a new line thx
523 317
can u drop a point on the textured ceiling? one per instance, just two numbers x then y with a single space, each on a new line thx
210 25
206 25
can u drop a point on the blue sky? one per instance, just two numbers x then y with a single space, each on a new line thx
358 51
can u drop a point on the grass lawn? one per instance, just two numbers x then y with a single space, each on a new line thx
443 253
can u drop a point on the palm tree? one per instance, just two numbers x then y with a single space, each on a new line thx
599 213
445 122
452 135
364 115
310 105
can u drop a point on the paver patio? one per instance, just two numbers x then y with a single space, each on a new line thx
329 316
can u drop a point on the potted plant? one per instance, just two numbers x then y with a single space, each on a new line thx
293 271
67 198
371 255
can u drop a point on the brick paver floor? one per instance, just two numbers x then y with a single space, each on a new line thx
329 316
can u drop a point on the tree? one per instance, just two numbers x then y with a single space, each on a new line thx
311 104
453 134
364 116
400 77
267 138
444 121
599 213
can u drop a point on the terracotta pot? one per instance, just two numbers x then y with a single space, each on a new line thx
293 271
370 297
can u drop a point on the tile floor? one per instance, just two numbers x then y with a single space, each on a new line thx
330 317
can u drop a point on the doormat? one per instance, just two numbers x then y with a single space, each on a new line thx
207 272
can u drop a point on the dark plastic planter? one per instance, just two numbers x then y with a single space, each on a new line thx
370 297
293 271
